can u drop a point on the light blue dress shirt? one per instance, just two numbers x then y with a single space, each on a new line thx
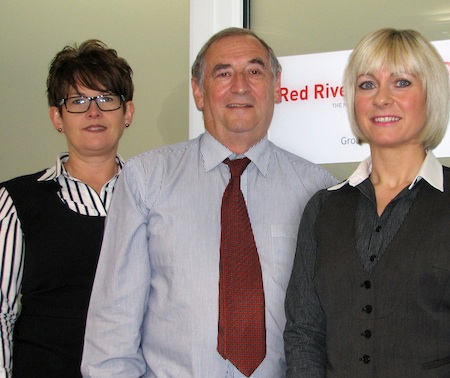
154 305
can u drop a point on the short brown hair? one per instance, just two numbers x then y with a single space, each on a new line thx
91 64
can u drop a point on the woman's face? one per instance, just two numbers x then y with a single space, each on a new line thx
95 132
390 108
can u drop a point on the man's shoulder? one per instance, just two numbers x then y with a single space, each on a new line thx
174 151
285 154
299 163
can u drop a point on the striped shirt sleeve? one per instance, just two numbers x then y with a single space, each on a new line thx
11 269
78 197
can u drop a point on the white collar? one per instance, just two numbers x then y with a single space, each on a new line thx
59 169
431 171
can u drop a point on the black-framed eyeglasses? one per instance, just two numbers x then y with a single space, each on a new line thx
81 104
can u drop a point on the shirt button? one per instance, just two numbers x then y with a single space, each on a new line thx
367 334
365 359
367 309
373 258
378 229
366 284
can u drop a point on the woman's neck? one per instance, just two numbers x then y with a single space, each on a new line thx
93 171
392 171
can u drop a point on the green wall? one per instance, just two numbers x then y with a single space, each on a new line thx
152 35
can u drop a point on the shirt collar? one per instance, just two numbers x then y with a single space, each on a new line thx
58 169
214 153
431 171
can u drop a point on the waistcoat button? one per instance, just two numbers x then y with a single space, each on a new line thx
367 309
366 284
365 359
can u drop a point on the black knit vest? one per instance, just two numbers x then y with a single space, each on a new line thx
394 322
61 254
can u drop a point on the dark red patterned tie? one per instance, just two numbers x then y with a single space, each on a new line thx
242 331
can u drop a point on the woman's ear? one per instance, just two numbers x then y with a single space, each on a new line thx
56 118
129 112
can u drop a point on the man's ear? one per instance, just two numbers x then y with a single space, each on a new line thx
198 94
277 89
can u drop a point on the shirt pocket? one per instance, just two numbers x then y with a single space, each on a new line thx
284 241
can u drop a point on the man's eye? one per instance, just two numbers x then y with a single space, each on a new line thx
366 85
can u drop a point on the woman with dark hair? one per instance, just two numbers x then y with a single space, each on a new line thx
51 222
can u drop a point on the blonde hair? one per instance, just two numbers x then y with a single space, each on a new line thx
402 51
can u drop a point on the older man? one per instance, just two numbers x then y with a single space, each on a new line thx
186 287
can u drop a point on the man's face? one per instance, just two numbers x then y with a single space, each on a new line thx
239 92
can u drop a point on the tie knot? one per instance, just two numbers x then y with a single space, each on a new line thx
237 166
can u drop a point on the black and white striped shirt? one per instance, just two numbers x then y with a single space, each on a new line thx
81 199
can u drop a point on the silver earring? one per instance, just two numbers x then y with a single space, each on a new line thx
60 130
127 125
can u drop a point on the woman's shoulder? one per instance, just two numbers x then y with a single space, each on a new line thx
21 180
